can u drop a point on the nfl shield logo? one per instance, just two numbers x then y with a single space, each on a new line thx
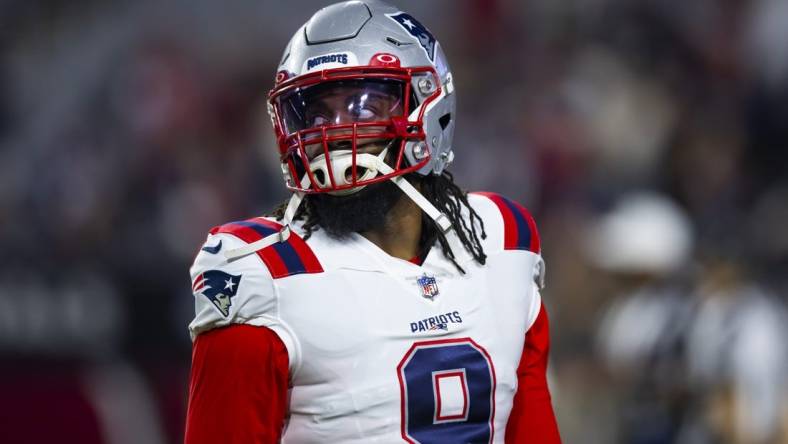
429 287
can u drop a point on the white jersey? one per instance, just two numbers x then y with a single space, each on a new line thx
382 349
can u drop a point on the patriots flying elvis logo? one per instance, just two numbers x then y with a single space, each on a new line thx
417 30
219 287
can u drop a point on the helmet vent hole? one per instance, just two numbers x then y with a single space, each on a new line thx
320 176
445 120
360 172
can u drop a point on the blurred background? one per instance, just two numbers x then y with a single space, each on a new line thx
648 137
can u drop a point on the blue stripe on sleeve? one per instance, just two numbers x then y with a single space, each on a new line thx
523 229
286 251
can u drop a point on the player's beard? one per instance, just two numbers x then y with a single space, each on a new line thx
356 213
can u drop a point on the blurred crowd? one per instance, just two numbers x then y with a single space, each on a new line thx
648 137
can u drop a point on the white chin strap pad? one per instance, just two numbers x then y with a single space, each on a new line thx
342 169
373 164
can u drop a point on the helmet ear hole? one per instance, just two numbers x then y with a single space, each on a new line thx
444 120
414 102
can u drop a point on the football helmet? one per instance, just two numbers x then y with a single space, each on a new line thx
363 94
360 82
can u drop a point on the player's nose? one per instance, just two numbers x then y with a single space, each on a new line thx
340 145
317 149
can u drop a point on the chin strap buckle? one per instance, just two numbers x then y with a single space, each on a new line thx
284 233
443 222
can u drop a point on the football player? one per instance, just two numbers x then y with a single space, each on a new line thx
381 303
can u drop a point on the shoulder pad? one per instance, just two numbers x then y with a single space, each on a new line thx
235 292
519 227
225 292
282 259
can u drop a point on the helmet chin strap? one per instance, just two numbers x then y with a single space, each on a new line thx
417 198
280 236
295 202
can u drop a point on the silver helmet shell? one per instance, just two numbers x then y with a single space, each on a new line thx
371 38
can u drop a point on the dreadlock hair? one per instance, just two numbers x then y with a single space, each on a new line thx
441 191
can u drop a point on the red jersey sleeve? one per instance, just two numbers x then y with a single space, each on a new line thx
238 387
532 419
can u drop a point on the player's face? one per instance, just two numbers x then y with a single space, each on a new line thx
349 105
340 103
326 105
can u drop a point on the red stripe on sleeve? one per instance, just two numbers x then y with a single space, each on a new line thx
238 387
509 224
269 256
532 419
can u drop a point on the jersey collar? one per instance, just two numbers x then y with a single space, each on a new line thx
358 253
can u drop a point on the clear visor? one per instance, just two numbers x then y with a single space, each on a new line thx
341 102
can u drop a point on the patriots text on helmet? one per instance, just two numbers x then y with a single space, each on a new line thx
332 58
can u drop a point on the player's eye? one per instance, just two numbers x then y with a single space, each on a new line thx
363 107
365 114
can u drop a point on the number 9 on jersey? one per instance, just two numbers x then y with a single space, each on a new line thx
447 391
